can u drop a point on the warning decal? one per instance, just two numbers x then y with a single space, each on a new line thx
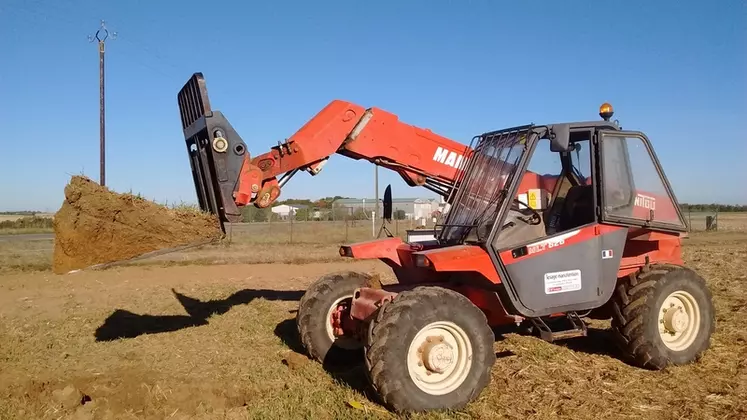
562 281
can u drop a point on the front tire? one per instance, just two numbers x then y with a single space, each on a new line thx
663 316
313 320
429 348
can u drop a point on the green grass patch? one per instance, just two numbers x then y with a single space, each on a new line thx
28 224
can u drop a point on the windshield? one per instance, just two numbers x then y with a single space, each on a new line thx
489 172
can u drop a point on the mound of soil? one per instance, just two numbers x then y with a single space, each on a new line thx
96 225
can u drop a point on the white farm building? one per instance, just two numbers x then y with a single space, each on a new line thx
413 208
284 210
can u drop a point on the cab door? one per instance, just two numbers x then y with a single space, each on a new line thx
569 271
572 269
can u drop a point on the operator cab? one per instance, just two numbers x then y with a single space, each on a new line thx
560 192
553 206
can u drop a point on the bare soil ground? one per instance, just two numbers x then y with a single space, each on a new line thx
218 341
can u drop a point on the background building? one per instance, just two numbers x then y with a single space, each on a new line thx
284 210
402 208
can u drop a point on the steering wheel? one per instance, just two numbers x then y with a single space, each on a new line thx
536 218
515 213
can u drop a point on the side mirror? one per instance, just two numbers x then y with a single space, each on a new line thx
560 138
388 203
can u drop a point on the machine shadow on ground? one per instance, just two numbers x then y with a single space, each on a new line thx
598 341
339 368
125 324
352 374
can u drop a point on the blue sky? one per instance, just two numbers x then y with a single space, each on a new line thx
676 70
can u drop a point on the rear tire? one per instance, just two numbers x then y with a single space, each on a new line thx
313 318
429 348
663 316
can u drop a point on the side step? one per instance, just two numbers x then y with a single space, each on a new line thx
577 328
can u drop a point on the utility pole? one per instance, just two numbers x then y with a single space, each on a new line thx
376 186
101 35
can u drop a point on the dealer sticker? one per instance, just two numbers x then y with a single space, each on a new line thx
562 281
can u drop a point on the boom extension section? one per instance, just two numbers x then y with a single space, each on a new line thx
226 176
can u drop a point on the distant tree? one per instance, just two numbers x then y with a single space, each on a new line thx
340 213
399 214
360 214
302 214
28 222
253 214
250 213
713 207
290 201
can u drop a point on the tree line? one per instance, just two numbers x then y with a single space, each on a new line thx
713 208
324 206
324 209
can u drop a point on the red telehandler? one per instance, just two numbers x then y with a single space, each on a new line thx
598 234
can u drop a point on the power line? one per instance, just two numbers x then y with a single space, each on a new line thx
101 35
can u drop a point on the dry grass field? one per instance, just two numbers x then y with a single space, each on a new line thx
209 333
18 224
13 217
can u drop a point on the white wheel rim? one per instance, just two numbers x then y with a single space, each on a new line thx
679 320
347 343
439 358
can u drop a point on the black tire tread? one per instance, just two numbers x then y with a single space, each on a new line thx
631 307
317 291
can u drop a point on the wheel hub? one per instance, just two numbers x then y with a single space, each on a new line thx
676 320
336 320
679 320
437 355
341 328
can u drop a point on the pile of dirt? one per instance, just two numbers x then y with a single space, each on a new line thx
96 225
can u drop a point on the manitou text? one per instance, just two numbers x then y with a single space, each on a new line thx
645 201
447 157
